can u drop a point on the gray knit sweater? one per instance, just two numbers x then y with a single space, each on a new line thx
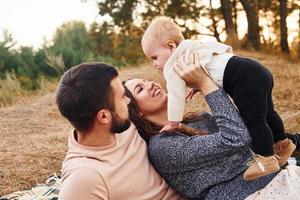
211 166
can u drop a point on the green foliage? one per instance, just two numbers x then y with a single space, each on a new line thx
40 58
121 48
9 59
124 13
23 63
117 42
110 60
19 62
10 86
72 42
120 11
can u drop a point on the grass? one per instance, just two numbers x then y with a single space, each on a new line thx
12 92
34 136
9 88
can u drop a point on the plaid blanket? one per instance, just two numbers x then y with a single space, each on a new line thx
46 191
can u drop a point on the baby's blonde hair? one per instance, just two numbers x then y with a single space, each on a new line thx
163 29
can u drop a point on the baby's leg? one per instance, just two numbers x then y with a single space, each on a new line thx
250 87
251 102
274 121
283 146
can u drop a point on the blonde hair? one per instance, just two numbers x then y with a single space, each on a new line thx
163 29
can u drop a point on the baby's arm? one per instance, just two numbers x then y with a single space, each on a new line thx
176 88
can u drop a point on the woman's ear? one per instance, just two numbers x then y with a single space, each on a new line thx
171 45
103 116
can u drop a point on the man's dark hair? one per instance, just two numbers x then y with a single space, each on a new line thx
83 91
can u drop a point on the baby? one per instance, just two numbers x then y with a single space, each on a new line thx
246 81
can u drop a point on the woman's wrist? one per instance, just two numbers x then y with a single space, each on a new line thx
208 86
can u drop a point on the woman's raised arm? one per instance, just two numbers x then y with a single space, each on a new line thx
232 135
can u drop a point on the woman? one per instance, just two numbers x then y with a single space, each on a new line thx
199 167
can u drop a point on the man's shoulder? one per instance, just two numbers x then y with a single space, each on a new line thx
81 182
87 170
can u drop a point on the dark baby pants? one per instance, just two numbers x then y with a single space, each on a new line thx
250 86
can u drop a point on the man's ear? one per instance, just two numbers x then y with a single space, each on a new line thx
171 45
103 116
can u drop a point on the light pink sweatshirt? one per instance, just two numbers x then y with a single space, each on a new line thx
118 171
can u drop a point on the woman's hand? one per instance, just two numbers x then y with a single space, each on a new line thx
194 75
170 127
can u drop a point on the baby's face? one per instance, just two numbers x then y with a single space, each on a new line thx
157 52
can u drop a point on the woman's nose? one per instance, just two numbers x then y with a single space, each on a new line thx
150 85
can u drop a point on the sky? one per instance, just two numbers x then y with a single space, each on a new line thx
30 21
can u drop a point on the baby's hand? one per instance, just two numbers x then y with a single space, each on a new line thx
191 93
171 126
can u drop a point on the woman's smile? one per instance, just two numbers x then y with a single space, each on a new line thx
150 97
156 92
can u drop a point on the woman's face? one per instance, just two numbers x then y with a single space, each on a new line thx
149 96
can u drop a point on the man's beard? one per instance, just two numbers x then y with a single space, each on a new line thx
119 125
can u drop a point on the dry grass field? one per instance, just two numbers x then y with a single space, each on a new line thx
34 136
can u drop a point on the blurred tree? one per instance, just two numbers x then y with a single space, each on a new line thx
71 40
9 61
283 27
20 61
8 40
276 12
298 31
124 12
120 11
187 14
27 65
251 9
118 48
214 25
230 21
40 60
128 47
235 13
27 68
102 37
4 58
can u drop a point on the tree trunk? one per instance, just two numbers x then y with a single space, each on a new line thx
251 9
299 34
214 24
234 14
226 9
283 28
